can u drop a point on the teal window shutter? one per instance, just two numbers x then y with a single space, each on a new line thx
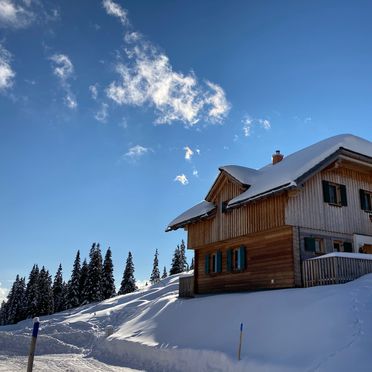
219 261
348 247
207 263
343 195
229 259
242 258
326 196
362 200
310 244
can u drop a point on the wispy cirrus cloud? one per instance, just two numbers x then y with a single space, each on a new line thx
136 152
102 113
6 72
182 179
93 89
249 123
63 69
148 79
15 14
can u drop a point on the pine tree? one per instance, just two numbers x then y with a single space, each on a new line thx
83 290
58 291
176 266
128 284
183 260
155 275
45 301
192 264
15 306
32 292
94 282
108 282
3 313
164 273
73 287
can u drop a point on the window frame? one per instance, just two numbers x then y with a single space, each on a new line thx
334 193
365 200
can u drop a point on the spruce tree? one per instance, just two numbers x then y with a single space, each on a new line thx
3 313
83 283
128 284
192 264
164 273
15 307
94 283
45 301
73 293
32 292
176 266
58 291
183 263
155 275
108 282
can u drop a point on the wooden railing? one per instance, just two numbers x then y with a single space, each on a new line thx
334 270
186 286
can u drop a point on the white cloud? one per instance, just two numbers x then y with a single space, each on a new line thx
198 151
136 152
182 179
93 91
64 69
308 120
6 72
249 123
116 10
3 293
189 153
102 114
123 124
148 79
195 173
14 15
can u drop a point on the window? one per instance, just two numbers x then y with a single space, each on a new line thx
236 259
315 245
334 193
224 207
213 263
365 200
339 246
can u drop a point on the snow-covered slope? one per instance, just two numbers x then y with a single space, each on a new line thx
314 329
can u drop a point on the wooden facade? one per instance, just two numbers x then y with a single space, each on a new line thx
273 229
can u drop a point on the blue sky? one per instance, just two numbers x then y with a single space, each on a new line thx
114 116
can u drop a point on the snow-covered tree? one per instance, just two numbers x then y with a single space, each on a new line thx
83 283
94 282
164 273
32 292
45 301
176 266
128 284
58 291
108 282
73 293
155 275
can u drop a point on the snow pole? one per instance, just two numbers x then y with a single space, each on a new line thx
240 340
31 354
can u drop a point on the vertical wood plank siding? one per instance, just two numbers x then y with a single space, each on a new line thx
334 270
307 208
269 259
262 215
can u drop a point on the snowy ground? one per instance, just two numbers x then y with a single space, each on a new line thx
314 329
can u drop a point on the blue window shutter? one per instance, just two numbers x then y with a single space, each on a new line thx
326 196
242 259
343 195
219 261
348 247
229 259
309 244
207 263
363 203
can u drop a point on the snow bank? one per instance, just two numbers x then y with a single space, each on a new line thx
314 329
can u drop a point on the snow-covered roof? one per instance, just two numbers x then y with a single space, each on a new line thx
244 175
287 172
283 175
203 209
359 256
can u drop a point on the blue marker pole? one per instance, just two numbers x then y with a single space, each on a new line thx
240 341
31 355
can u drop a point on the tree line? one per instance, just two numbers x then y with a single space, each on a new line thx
90 281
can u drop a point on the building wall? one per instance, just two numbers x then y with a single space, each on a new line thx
270 263
259 216
307 209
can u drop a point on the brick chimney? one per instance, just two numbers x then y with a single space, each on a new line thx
277 157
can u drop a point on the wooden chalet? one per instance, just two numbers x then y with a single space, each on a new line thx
255 227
